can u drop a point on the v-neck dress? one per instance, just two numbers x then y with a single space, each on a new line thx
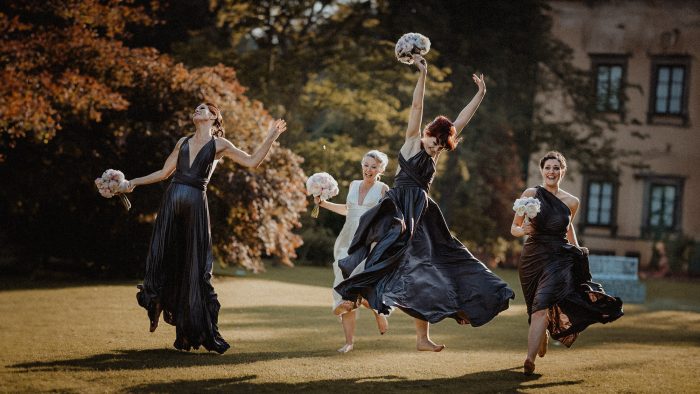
352 221
416 264
555 277
180 260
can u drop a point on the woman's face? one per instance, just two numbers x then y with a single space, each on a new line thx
202 113
431 146
370 168
552 173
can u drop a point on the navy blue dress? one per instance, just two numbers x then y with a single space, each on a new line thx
180 259
416 264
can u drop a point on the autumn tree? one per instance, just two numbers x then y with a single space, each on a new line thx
76 100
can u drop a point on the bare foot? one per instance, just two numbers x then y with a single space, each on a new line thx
346 348
154 316
426 345
344 307
382 323
528 367
543 346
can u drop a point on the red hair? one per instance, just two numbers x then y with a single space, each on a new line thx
444 131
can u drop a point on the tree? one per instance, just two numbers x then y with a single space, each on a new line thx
76 100
329 66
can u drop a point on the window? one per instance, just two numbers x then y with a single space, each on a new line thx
669 89
608 83
599 206
608 76
662 208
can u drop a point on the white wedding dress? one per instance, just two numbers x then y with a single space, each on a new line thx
352 220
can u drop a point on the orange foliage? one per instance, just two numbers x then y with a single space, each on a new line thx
64 68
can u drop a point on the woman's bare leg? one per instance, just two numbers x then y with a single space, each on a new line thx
348 321
538 324
423 342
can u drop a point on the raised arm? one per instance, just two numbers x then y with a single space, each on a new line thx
466 114
163 173
416 116
277 127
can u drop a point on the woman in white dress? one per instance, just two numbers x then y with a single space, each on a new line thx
362 196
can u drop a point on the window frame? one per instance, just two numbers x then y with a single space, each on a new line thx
609 59
650 182
613 202
657 62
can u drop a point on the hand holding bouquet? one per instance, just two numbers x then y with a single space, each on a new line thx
527 206
411 44
110 184
322 185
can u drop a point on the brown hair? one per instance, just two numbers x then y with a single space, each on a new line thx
218 125
553 155
444 131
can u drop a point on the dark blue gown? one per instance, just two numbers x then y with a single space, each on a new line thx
180 260
416 264
554 275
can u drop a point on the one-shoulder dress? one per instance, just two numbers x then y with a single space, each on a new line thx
416 263
554 275
180 260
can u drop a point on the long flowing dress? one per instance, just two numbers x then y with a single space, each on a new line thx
554 275
352 221
416 264
180 259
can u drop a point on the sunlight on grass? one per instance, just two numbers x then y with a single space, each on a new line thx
88 338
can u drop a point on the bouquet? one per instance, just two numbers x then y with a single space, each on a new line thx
108 186
528 206
321 184
410 44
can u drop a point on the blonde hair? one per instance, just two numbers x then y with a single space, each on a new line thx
380 157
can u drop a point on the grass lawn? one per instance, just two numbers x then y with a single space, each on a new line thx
94 338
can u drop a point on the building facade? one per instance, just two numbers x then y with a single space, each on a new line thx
644 61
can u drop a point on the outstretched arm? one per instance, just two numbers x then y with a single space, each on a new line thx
163 173
341 209
469 111
277 127
416 116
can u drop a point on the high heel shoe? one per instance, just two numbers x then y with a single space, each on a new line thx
528 367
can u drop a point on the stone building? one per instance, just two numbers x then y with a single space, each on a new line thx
644 58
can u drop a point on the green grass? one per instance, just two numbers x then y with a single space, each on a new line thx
71 337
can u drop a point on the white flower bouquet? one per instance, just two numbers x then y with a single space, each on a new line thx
527 206
410 44
108 186
322 185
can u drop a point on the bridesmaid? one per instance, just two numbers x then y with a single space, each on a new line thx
180 260
412 260
553 269
362 196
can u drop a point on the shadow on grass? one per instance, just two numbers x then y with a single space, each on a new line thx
505 380
509 328
158 358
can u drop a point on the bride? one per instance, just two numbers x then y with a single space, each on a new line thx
362 195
